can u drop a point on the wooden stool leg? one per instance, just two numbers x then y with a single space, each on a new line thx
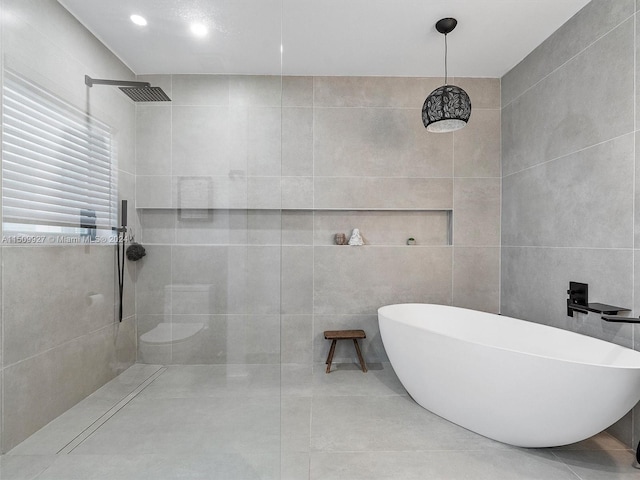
330 357
362 364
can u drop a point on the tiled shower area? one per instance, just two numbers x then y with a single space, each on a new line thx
236 189
259 275
263 422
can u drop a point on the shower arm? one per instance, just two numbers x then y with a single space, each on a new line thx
118 83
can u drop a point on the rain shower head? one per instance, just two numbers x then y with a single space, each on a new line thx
136 91
146 94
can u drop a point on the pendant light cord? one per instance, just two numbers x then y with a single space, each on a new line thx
445 58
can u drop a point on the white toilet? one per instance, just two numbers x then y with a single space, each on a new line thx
175 343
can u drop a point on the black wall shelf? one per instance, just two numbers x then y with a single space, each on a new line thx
599 308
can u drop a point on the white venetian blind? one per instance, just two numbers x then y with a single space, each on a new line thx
57 163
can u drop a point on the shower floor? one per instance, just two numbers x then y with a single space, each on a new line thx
242 422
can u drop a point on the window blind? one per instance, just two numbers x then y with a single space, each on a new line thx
58 168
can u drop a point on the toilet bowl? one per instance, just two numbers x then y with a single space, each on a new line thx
171 342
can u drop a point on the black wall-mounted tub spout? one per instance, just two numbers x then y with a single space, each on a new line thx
619 319
578 301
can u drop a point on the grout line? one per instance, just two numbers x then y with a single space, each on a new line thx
91 429
451 220
499 306
567 61
566 465
66 342
583 149
313 229
634 411
573 247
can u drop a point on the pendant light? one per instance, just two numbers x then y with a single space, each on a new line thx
448 107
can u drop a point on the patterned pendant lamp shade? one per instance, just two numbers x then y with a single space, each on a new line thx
446 109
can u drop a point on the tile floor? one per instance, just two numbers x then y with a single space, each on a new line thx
231 423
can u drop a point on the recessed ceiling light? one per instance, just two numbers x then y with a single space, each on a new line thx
138 20
199 30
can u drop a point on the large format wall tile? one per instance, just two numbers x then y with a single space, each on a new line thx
257 148
636 200
50 21
148 352
385 92
297 91
637 72
153 140
153 191
207 279
297 141
214 227
200 141
297 227
157 226
263 226
359 280
584 199
217 192
264 266
476 278
264 193
383 193
484 92
535 282
53 295
477 146
635 433
202 90
295 339
229 339
225 279
297 193
61 340
569 170
555 109
476 212
255 90
153 280
42 387
55 46
297 280
353 145
593 21
1 344
378 142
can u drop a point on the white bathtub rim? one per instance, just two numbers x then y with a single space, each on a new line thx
626 350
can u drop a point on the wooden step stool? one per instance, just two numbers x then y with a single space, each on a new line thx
336 335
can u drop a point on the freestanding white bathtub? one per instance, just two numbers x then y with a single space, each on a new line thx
514 381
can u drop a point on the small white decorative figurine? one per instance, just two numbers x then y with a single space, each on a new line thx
356 238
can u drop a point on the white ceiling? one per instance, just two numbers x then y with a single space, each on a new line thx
323 37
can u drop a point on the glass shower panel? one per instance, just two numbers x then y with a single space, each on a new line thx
213 264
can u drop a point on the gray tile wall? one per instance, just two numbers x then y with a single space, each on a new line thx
261 284
569 170
61 340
